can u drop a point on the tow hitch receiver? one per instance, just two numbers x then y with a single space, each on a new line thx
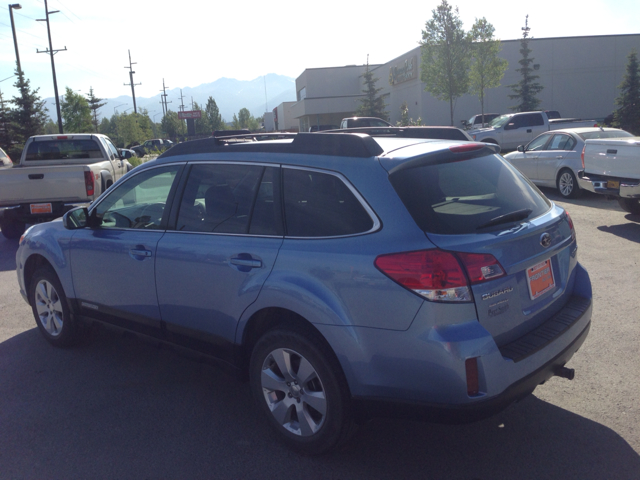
565 372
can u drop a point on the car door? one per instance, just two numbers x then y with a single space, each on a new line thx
119 167
113 265
526 161
225 241
556 153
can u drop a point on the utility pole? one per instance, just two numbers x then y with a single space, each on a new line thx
52 52
165 108
133 89
181 101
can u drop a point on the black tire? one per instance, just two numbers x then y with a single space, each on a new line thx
312 416
567 184
50 309
12 229
630 205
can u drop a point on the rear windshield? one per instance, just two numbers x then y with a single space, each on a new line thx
470 196
605 134
63 149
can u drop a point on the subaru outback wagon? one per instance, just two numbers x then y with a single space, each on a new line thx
347 276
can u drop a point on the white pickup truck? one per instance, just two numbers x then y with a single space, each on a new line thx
55 174
514 129
612 167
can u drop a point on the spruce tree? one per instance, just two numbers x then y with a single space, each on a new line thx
29 115
627 115
525 90
372 104
94 105
5 125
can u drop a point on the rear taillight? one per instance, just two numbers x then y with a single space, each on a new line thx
571 227
582 155
438 275
89 183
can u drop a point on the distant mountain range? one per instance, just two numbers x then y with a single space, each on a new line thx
230 95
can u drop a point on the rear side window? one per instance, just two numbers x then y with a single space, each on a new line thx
63 150
462 197
321 205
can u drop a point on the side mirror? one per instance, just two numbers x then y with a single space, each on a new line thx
124 154
520 148
75 218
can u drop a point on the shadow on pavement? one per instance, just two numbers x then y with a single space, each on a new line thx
8 249
628 231
586 199
119 408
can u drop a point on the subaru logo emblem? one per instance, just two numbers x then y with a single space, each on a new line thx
545 240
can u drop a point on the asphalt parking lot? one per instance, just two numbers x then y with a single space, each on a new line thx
115 407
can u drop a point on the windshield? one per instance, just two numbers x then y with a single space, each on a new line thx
499 121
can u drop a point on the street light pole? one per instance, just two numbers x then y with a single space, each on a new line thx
15 6
51 53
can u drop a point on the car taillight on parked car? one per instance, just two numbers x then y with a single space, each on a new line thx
89 183
437 275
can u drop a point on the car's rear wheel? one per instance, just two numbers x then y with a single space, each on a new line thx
50 309
299 386
630 205
567 184
11 229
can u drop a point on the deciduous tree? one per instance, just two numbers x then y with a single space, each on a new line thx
213 115
487 69
76 114
527 89
627 115
445 55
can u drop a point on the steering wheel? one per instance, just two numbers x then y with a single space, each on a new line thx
151 216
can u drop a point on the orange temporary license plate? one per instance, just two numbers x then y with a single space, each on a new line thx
40 208
613 184
540 279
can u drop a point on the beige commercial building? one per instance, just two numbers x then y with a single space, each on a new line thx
580 76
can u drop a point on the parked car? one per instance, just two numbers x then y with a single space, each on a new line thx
435 133
5 161
347 276
553 158
158 145
513 129
355 122
611 166
320 128
55 174
479 121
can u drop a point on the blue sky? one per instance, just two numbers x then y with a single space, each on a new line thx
189 43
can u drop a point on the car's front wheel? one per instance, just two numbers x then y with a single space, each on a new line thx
299 386
50 309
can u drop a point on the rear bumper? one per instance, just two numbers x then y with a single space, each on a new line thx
22 213
369 407
628 188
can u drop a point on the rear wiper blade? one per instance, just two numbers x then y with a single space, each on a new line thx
507 217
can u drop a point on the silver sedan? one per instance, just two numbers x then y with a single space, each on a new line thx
552 159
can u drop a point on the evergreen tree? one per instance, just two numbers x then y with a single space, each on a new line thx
372 104
29 115
203 126
525 90
171 125
627 115
95 105
486 68
76 114
6 133
213 115
445 55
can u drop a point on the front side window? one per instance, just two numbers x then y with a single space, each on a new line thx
321 205
140 201
538 143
